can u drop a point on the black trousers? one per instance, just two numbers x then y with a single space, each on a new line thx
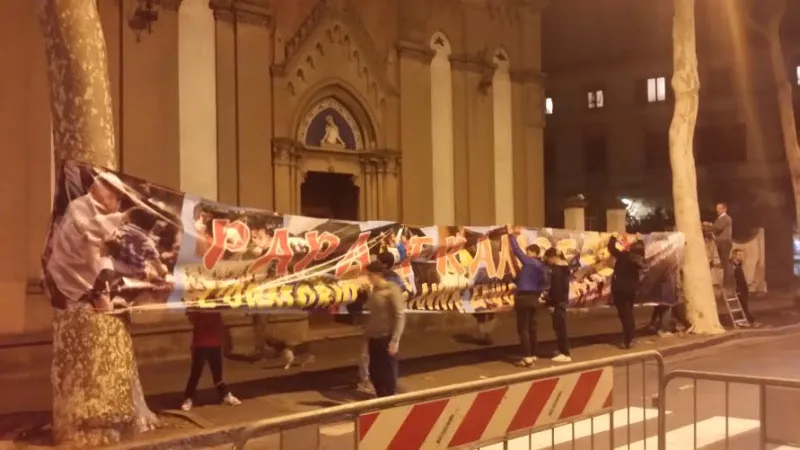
382 367
559 318
679 313
623 300
525 307
744 299
201 355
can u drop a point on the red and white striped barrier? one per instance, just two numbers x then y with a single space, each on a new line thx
489 415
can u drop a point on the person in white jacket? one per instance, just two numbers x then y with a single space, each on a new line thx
78 253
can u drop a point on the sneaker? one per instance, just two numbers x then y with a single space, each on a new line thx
562 358
525 362
365 386
689 330
231 400
187 405
288 358
664 334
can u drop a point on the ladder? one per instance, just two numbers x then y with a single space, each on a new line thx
735 311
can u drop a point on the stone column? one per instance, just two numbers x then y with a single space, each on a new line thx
368 166
391 188
615 220
298 177
416 133
254 44
197 93
502 116
283 161
358 181
380 195
574 214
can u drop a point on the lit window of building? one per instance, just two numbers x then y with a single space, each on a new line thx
798 75
595 98
656 89
548 106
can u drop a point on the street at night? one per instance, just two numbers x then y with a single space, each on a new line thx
764 357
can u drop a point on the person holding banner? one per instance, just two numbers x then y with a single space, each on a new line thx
530 285
558 299
394 253
206 347
625 283
383 329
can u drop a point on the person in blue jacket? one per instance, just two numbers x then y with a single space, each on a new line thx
531 282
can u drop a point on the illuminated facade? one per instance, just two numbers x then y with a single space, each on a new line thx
416 110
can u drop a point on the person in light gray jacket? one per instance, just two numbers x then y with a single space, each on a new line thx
383 329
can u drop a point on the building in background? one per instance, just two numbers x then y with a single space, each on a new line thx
415 110
609 104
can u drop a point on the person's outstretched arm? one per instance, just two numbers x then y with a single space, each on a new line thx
523 258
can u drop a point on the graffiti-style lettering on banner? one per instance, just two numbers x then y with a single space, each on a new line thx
117 240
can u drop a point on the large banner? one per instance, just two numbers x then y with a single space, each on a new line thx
117 241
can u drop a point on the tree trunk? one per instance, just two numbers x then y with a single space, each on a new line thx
785 106
700 301
94 375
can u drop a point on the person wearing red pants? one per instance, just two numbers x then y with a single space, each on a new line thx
207 348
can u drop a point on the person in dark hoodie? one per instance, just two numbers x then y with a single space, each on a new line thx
558 299
530 285
625 283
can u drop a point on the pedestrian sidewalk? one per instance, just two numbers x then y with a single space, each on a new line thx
270 391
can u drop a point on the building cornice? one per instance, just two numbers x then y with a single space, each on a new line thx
526 76
471 63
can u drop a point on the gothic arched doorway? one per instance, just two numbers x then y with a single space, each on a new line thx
329 195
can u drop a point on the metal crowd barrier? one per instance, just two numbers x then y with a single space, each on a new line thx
778 408
476 414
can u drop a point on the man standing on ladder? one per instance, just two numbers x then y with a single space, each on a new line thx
723 238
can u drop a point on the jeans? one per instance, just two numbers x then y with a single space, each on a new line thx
525 308
623 300
661 317
363 363
201 355
382 367
559 318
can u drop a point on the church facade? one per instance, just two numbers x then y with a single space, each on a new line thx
425 111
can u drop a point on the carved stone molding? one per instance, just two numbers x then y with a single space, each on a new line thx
527 76
369 164
284 151
472 62
415 50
